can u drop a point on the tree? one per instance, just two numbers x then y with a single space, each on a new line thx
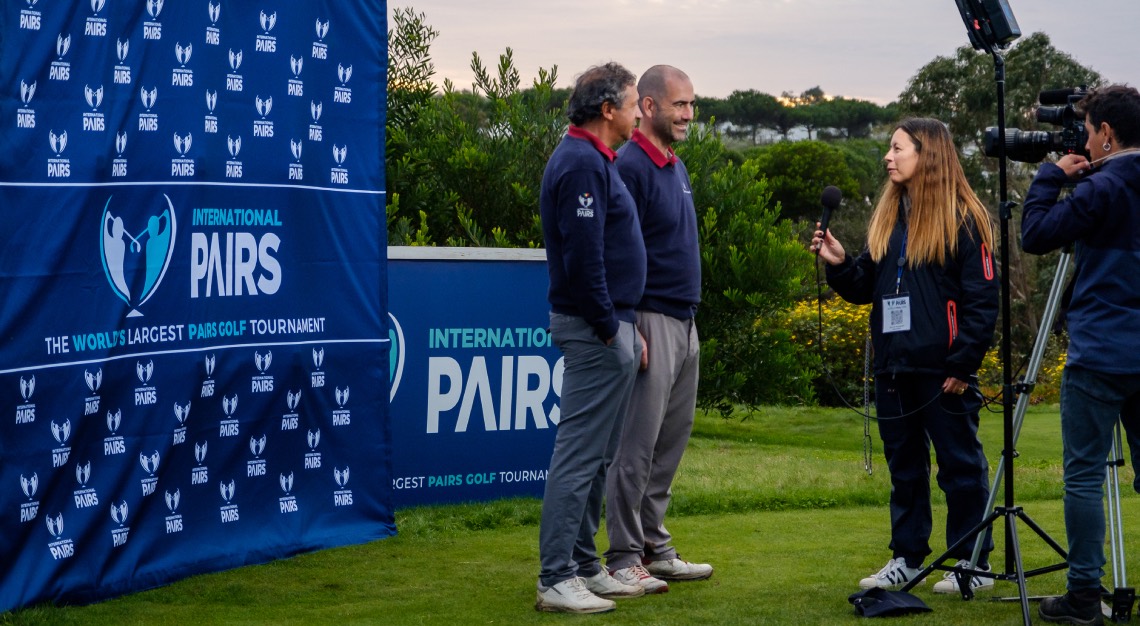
797 171
753 110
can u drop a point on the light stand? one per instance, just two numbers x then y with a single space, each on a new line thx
990 27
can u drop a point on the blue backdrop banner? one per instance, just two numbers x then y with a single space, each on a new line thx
477 380
195 358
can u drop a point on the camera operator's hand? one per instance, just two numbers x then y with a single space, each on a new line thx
827 248
1074 165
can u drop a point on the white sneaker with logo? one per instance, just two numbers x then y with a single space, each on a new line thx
676 569
949 582
571 596
636 575
894 575
605 586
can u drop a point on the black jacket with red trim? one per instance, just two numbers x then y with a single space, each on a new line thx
953 308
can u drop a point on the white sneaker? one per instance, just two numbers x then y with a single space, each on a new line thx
605 586
676 569
571 596
894 575
636 575
949 582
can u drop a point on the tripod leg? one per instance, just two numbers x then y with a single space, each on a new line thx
1123 596
1011 532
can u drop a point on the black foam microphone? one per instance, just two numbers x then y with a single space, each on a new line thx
830 201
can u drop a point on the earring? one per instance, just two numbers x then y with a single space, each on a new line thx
1107 147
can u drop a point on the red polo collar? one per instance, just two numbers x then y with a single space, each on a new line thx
578 132
655 155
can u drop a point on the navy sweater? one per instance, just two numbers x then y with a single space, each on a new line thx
594 251
660 188
1102 217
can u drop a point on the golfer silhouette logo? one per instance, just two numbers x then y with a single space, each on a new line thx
136 264
395 356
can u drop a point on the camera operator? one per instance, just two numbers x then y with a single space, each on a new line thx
1101 380
928 274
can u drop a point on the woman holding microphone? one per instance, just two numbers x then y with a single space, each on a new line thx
928 274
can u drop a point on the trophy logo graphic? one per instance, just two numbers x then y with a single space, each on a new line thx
172 500
183 54
149 463
27 92
55 525
30 485
83 473
211 100
114 420
119 512
286 483
295 64
227 490
257 446
154 7
318 357
215 12
339 154
343 73
322 29
263 106
200 452
292 400
268 21
314 439
295 148
262 362
234 146
341 397
136 268
121 48
120 143
395 356
94 97
27 388
148 97
61 432
235 59
315 109
62 45
181 413
340 476
58 142
97 5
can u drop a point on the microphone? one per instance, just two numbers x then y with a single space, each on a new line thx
830 201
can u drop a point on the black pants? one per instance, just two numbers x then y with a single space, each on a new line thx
950 422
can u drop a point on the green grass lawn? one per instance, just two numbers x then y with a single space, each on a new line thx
779 503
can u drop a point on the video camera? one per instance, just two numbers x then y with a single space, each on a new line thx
1031 146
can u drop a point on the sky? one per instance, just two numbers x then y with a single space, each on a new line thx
865 49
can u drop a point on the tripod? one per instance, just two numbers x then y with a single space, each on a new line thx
1014 569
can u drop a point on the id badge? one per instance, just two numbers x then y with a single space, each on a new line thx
896 313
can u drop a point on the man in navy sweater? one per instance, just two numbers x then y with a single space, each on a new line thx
596 259
660 415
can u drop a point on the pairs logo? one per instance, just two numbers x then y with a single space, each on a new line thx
213 35
182 77
342 496
233 165
316 131
290 420
60 547
295 86
288 502
26 412
342 93
182 165
263 381
119 163
318 375
265 41
96 26
93 120
150 466
31 508
148 120
233 79
152 28
256 466
211 124
94 381
114 444
338 175
396 353
122 75
30 19
25 115
58 166
146 394
200 475
296 170
229 510
60 69
312 457
320 48
585 205
181 413
263 127
136 264
61 433
229 424
85 497
120 535
341 416
174 520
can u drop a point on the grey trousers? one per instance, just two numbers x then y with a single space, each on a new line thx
596 384
653 440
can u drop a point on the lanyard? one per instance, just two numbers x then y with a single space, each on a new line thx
902 263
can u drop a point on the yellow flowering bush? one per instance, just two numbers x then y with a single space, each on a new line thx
839 372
